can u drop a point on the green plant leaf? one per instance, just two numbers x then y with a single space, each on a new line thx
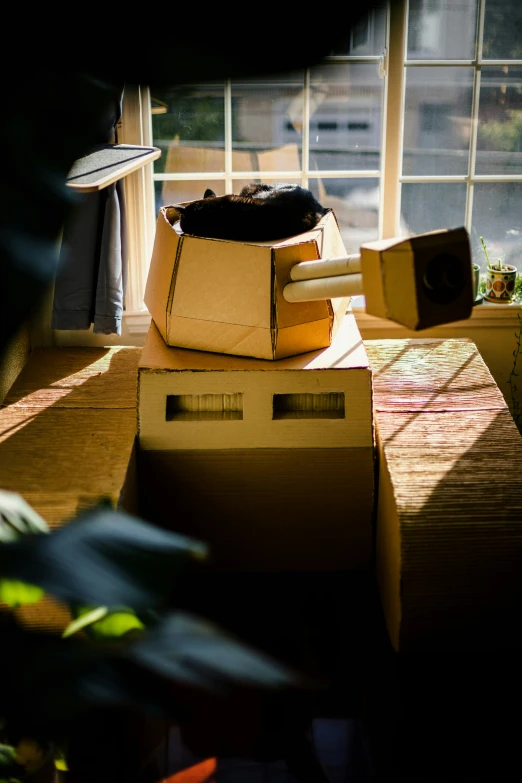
116 625
7 754
485 250
136 564
86 617
18 518
104 623
60 762
15 593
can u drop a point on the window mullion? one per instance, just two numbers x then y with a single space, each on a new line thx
135 127
305 140
474 116
472 148
393 120
228 137
480 29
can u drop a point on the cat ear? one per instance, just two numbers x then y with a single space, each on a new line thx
209 193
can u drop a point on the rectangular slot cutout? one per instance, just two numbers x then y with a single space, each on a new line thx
327 405
204 407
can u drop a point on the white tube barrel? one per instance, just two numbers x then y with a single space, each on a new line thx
327 267
323 288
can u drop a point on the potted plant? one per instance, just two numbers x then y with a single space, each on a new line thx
128 651
500 280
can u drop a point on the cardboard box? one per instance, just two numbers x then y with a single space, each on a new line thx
270 463
201 400
67 439
226 297
419 281
266 510
448 543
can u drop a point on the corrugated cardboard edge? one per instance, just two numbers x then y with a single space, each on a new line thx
159 286
388 550
447 535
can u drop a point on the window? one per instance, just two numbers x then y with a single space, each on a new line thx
415 125
462 122
321 128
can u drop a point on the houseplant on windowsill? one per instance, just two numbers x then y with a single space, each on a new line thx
500 280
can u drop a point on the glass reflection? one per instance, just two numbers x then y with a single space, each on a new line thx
431 206
499 134
441 29
437 121
497 217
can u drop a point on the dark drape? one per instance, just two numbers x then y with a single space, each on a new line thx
92 268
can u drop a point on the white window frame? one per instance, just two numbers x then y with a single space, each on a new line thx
136 128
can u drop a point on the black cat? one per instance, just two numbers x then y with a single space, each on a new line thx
260 213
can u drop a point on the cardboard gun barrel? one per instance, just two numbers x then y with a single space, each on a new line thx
313 289
326 267
418 281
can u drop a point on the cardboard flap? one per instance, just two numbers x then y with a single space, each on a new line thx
223 282
324 241
160 275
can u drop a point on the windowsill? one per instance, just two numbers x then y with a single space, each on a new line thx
485 315
136 324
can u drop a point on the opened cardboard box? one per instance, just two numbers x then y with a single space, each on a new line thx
227 297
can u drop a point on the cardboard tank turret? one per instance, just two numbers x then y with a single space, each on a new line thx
271 300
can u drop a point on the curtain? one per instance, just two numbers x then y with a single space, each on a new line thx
92 268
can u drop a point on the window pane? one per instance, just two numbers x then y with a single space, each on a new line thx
442 29
267 117
368 34
499 137
437 120
497 217
174 192
191 130
502 25
355 203
239 184
345 117
431 206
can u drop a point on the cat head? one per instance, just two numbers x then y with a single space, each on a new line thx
182 209
195 217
